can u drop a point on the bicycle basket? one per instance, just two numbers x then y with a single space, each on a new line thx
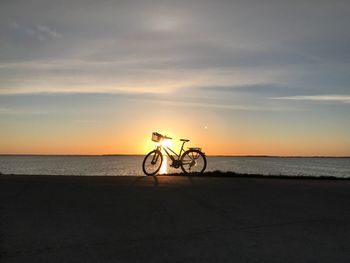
156 137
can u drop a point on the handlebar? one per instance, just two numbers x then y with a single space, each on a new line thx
166 137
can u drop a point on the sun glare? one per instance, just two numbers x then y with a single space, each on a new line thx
164 167
167 143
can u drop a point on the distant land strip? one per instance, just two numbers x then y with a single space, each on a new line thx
209 155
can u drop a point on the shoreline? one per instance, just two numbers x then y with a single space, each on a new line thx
213 174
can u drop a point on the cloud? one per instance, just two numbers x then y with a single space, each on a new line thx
236 107
329 98
148 74
43 32
150 45
5 111
14 111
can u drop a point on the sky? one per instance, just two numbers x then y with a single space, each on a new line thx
235 77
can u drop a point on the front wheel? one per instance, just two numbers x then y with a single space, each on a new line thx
152 162
193 161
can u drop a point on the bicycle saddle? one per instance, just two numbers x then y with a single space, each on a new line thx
184 140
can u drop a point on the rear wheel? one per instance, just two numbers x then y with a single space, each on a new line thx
152 162
193 161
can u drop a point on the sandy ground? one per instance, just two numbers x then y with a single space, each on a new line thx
173 219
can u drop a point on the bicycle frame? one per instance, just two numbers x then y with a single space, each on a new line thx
166 148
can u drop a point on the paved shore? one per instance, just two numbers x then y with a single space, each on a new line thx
173 219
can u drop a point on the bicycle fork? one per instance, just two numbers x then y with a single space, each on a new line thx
155 158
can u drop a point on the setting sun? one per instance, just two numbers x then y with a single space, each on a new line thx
167 143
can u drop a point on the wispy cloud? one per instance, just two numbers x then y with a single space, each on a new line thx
13 111
43 32
126 74
89 121
5 111
334 98
241 107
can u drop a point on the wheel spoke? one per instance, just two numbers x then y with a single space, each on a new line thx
193 161
152 162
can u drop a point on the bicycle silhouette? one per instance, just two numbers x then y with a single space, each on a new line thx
191 161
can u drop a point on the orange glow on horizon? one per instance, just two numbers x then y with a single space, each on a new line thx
114 140
142 145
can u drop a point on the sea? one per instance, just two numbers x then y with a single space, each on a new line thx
119 165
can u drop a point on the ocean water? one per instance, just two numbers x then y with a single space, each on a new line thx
132 165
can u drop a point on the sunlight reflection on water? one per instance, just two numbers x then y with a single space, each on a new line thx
132 165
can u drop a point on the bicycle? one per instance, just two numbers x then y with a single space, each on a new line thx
191 161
